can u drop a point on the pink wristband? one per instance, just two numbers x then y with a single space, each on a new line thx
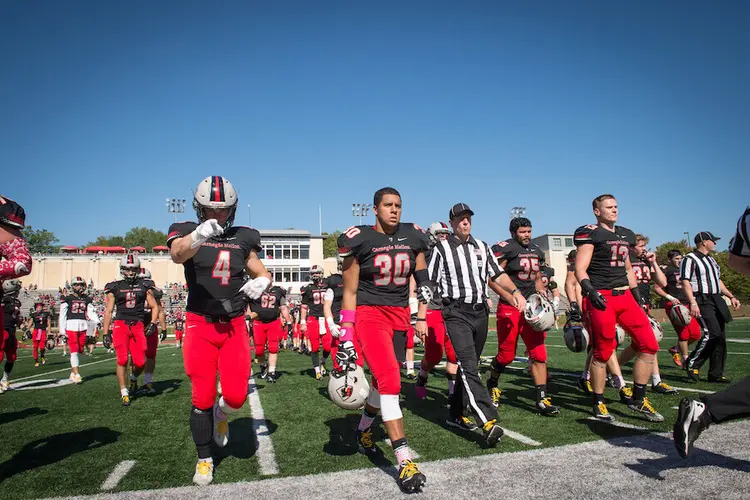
347 316
347 334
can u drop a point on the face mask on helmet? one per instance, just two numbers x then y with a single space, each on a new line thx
215 198
144 274
78 286
11 287
437 231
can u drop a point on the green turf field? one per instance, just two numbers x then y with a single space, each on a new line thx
63 439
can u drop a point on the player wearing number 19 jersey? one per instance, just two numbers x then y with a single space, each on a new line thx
378 262
217 257
610 297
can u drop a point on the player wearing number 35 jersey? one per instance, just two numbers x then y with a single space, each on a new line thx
378 263
217 257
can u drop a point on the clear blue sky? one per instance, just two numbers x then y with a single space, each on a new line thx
107 108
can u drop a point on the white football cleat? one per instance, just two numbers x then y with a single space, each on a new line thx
221 427
204 473
77 379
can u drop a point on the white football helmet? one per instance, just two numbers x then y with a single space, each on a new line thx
656 327
339 263
316 273
539 313
680 315
436 230
130 266
11 287
144 274
78 285
215 192
621 334
576 337
348 389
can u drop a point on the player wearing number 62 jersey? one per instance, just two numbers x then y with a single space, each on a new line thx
128 295
611 296
266 313
217 258
378 262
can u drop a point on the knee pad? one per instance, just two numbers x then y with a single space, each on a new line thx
390 384
390 409
373 399
122 360
648 345
538 354
259 349
273 348
603 350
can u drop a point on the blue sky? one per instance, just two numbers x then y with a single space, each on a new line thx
107 108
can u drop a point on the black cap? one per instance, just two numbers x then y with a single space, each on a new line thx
705 236
459 208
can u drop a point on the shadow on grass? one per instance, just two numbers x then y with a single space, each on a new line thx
55 448
8 417
243 442
343 442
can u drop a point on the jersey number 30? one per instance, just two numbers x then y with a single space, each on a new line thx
222 270
393 269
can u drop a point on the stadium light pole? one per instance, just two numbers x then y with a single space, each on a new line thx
517 212
249 217
360 210
687 235
176 206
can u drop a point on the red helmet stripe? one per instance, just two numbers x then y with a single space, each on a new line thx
217 188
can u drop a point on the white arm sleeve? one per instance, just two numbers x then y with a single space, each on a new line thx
328 297
63 319
91 313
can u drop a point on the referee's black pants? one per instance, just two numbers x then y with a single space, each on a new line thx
466 326
731 403
712 346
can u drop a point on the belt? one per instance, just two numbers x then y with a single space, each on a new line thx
469 307
130 322
219 319
615 293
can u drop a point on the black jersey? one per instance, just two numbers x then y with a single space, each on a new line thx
40 319
611 250
11 313
130 298
179 325
268 306
335 282
548 280
521 263
158 294
313 297
674 285
77 306
386 262
216 273
642 272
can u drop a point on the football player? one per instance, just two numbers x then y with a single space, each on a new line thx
179 329
645 269
42 325
611 296
152 341
129 332
11 319
378 262
312 321
674 296
522 260
76 309
437 341
551 290
266 313
216 256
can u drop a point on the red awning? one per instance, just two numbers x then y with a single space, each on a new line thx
137 249
69 249
115 249
97 249
160 248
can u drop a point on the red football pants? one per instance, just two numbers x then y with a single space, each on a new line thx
436 342
313 332
374 327
410 337
10 347
76 340
217 346
510 325
622 309
38 339
295 331
266 332
690 333
129 339
178 335
152 343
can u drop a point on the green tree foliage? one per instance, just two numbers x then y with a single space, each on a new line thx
664 248
107 241
40 240
330 245
136 237
737 283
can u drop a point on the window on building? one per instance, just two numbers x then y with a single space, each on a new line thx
304 274
287 275
277 253
287 251
304 252
557 243
262 254
568 242
295 252
278 275
295 275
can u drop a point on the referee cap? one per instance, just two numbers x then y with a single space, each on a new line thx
459 208
705 236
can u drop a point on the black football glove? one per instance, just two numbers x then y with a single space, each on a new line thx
598 301
150 330
163 335
347 356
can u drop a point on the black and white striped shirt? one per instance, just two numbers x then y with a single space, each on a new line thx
740 244
461 269
702 271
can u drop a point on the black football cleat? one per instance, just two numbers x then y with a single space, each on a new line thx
271 378
545 407
626 396
410 480
365 444
492 433
463 423
692 419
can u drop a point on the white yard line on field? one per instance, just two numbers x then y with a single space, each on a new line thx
265 454
521 438
617 423
116 475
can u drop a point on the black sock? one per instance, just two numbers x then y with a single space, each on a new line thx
41 353
315 359
541 392
639 391
398 443
9 367
202 429
450 376
598 398
325 355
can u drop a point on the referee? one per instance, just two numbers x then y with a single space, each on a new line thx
461 265
700 275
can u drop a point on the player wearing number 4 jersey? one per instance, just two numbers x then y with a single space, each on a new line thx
217 257
129 295
378 262
312 322
611 296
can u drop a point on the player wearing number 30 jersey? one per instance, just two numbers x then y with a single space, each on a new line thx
217 257
378 263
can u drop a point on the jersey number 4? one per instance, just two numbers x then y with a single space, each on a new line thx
222 270
393 269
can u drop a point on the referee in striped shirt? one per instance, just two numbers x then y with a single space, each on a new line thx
701 281
462 267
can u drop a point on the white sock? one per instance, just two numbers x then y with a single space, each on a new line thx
147 377
655 379
271 368
124 392
74 359
409 366
586 375
209 460
225 408
622 382
5 376
317 369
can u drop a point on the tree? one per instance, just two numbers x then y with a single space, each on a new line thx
663 249
107 241
144 237
40 240
737 283
330 244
